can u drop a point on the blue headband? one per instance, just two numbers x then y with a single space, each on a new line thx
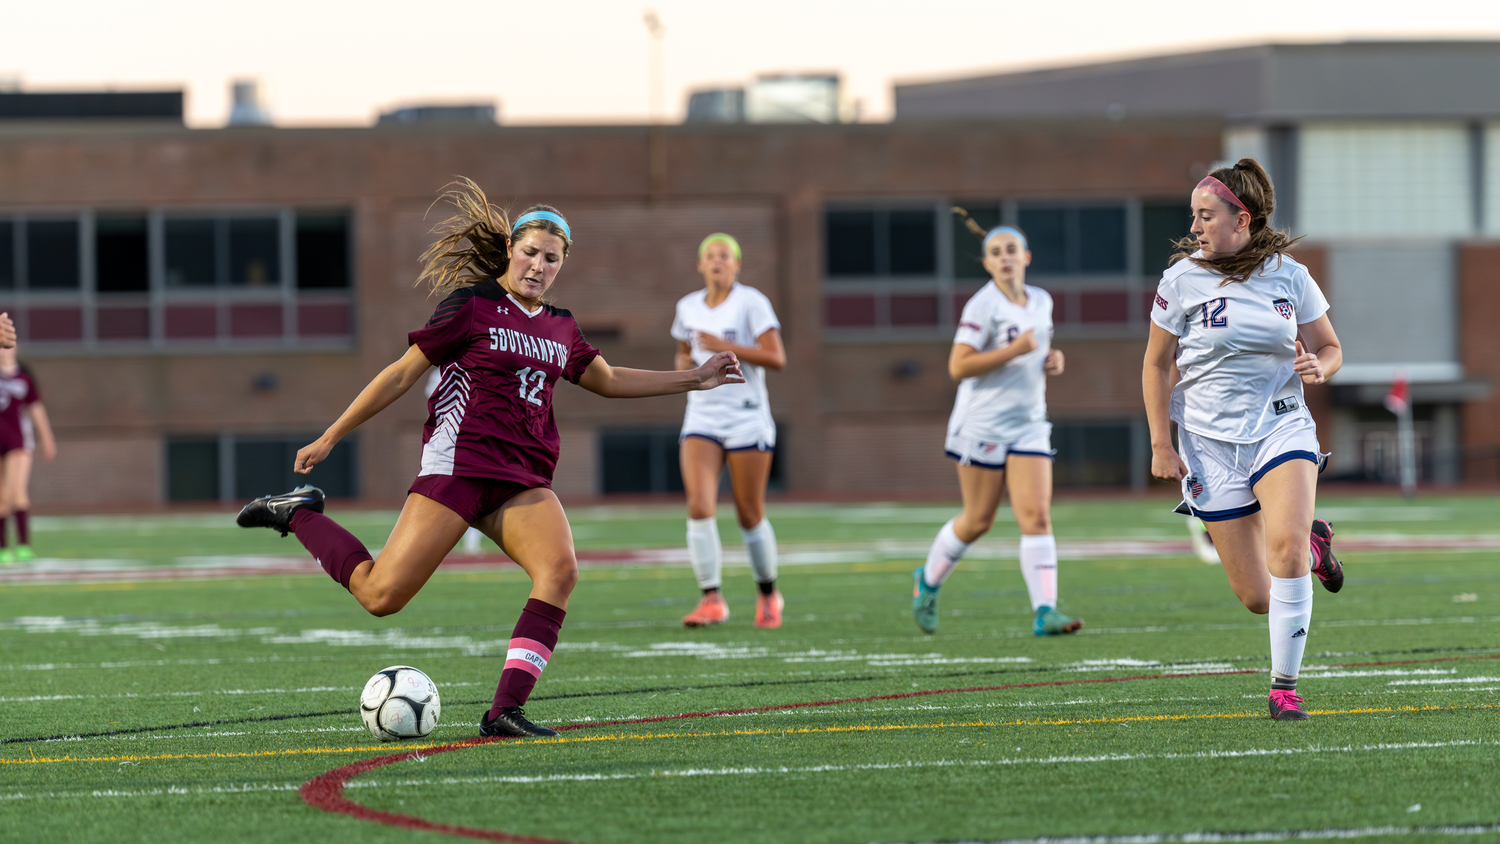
1006 230
550 217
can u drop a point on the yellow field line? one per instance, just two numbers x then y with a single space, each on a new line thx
858 728
295 751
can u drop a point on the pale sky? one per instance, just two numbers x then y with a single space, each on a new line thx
336 62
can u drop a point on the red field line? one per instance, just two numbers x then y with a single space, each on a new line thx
326 791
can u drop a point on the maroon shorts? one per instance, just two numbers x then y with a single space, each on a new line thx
470 498
11 438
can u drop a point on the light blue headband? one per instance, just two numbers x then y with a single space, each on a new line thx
550 217
1006 230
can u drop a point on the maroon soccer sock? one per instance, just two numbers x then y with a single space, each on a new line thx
531 645
335 549
23 527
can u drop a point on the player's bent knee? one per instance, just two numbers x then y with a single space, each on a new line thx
383 604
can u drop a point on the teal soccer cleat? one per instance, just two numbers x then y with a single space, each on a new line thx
924 602
1050 622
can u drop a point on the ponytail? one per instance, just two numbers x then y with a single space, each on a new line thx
1248 181
471 245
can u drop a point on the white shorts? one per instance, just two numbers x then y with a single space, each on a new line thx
1033 440
733 429
1222 475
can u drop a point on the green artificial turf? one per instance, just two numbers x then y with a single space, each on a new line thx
275 663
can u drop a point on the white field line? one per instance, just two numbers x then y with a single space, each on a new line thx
1445 680
63 570
1274 835
911 765
207 692
408 782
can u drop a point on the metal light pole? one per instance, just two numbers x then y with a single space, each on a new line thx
656 71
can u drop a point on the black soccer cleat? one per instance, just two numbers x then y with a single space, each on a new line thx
1329 570
1286 705
275 511
511 723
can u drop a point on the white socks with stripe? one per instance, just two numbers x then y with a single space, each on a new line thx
947 549
1289 618
1039 569
760 544
705 552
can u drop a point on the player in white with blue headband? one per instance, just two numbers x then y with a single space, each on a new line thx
1246 326
999 433
732 427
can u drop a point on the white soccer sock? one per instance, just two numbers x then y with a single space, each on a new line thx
760 544
1289 619
947 549
1039 568
705 552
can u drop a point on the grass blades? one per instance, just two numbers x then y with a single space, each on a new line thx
195 709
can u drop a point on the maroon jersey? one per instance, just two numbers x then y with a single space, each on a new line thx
16 391
491 414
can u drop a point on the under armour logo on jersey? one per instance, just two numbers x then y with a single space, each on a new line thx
502 309
1283 307
1301 631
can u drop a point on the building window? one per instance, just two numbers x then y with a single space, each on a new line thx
172 279
881 242
1162 225
638 461
8 232
232 467
1075 240
909 270
1092 454
322 251
52 254
122 254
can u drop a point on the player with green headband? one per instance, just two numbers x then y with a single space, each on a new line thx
734 426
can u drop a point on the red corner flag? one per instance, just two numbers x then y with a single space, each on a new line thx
1399 398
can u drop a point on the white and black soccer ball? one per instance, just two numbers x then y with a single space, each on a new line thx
400 702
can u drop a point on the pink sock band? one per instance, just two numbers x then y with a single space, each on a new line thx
531 645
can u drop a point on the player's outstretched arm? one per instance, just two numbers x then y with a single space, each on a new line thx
391 384
1156 386
617 382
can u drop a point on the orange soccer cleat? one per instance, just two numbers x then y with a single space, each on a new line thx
768 610
711 610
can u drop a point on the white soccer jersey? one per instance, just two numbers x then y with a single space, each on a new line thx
1235 347
740 319
998 404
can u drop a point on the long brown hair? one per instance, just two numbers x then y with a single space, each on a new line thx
1249 182
471 244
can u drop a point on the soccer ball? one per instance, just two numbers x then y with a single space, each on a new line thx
398 703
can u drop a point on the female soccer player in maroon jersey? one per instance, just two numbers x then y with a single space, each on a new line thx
490 443
23 427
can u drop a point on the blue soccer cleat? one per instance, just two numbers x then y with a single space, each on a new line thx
924 602
1050 622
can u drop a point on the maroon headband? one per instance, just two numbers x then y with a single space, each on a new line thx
1222 191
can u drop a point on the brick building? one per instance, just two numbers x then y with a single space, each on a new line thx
197 304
